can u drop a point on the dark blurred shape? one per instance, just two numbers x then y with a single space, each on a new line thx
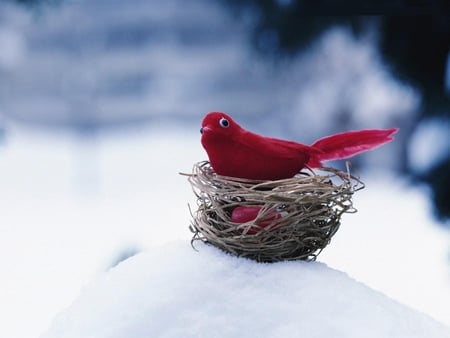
417 47
286 27
36 2
439 180
413 37
37 5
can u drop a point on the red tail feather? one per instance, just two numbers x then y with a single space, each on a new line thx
348 144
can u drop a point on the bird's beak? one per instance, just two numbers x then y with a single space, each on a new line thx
204 129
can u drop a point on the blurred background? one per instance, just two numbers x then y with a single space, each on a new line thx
100 107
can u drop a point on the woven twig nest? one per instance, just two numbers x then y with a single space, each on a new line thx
296 220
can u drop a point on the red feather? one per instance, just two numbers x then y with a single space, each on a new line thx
348 144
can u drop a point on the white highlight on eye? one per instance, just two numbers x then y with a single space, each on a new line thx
224 123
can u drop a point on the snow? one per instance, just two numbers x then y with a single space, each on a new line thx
174 291
393 245
70 207
349 76
430 144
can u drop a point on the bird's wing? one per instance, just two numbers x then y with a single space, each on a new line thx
275 148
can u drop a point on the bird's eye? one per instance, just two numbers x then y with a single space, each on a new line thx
224 123
201 130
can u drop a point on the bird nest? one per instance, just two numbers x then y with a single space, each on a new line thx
296 217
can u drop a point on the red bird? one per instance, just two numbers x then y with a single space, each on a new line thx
236 152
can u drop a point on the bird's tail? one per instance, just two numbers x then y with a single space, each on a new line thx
348 144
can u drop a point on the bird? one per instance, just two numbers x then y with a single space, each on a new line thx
239 153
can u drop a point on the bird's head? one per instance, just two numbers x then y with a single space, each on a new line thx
218 126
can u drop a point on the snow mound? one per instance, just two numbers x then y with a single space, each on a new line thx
175 291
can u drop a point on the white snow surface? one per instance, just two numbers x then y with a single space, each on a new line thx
69 207
174 291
